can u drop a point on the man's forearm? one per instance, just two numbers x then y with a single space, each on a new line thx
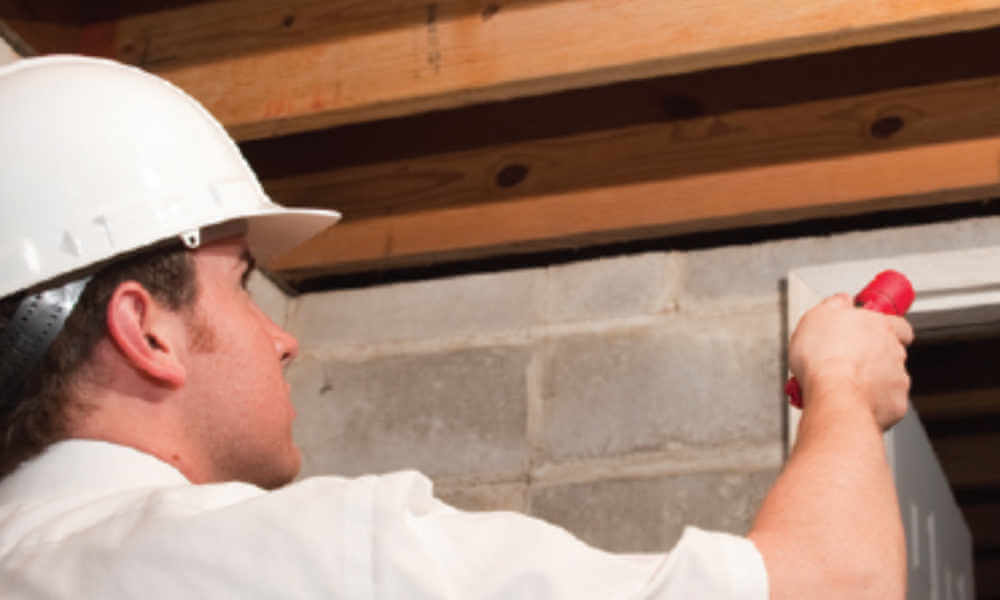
830 527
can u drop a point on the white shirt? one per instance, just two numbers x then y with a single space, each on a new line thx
90 519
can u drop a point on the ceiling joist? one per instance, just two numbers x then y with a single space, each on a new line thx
268 68
680 128
922 175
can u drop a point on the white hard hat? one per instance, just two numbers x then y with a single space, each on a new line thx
98 159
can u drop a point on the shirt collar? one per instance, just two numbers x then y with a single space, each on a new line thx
81 466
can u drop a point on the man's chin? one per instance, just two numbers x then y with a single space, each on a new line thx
284 473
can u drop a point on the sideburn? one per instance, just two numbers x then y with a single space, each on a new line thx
203 337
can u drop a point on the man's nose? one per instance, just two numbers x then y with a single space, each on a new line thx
286 345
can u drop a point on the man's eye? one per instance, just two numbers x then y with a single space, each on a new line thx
251 266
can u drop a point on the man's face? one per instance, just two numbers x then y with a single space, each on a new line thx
239 405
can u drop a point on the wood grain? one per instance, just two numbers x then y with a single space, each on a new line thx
46 37
651 152
267 67
925 175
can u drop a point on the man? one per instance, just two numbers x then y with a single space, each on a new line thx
145 416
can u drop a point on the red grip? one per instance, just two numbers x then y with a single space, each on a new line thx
889 293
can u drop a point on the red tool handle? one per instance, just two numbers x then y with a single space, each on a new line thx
889 293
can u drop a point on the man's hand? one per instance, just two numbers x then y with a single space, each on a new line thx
839 347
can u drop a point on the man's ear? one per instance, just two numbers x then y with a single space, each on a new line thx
145 333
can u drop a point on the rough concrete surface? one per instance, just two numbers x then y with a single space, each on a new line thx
460 413
452 307
612 287
622 398
690 382
648 515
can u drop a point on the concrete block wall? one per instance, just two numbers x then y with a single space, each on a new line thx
621 398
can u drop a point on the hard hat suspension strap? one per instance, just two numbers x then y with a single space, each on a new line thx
29 334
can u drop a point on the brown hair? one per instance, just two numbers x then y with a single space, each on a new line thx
39 417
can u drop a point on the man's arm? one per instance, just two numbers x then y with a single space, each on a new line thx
830 527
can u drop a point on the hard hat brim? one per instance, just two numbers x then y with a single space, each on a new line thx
272 233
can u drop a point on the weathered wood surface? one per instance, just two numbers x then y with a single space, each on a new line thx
743 168
656 151
45 37
930 174
268 67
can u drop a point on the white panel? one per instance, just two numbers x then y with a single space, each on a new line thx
938 540
955 291
801 298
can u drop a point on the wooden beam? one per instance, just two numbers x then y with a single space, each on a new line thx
68 11
656 151
46 37
267 67
925 175
654 179
854 72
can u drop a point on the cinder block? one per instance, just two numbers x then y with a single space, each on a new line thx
451 414
689 382
759 269
501 496
613 287
648 515
458 306
268 297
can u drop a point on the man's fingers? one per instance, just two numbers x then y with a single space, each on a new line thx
839 300
903 330
900 326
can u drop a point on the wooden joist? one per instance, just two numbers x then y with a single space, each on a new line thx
932 174
848 155
267 68
663 150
